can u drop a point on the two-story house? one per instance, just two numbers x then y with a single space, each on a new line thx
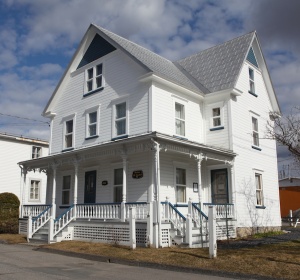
130 128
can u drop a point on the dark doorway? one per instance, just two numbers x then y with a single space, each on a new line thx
90 187
219 186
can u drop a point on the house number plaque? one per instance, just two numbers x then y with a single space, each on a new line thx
104 183
137 174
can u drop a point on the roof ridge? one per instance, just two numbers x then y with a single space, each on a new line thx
218 45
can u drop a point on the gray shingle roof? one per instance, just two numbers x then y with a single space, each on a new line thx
217 68
154 62
211 70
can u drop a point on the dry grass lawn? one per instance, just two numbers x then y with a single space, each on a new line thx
277 260
13 238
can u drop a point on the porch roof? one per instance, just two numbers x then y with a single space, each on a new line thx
43 162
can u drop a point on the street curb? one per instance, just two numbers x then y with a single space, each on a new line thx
153 265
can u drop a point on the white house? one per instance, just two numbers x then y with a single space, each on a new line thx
131 129
13 149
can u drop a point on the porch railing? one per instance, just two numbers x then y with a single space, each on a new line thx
63 220
39 221
141 210
170 213
223 211
33 210
99 211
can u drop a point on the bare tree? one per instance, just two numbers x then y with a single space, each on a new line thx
286 131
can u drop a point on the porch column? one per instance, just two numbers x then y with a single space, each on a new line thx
23 190
199 159
232 178
76 165
124 188
53 212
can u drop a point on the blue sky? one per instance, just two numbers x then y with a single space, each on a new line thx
38 38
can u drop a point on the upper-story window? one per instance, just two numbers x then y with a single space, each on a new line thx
259 189
36 152
251 81
94 78
216 116
69 137
179 119
255 134
121 119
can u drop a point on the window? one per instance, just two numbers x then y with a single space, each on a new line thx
255 135
179 119
259 192
180 185
68 134
216 117
118 184
36 152
92 129
66 187
120 119
251 81
94 78
34 190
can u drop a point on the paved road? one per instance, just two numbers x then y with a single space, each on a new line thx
24 262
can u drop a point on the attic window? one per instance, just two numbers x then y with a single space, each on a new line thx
251 58
93 79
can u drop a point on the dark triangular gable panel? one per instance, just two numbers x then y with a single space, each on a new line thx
99 47
251 57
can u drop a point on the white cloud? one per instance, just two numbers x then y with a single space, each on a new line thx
45 70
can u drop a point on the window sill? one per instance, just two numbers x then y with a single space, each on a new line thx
260 207
216 128
254 94
67 149
91 137
180 137
256 148
119 137
92 92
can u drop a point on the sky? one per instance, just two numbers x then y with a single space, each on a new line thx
38 39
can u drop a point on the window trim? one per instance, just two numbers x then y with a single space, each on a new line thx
251 81
119 101
259 174
86 92
181 120
33 153
254 146
69 190
211 117
184 167
114 167
65 120
39 190
87 124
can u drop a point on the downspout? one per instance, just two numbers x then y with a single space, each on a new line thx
157 171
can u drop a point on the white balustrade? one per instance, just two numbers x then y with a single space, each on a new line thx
98 211
141 210
41 219
33 210
62 221
223 211
170 213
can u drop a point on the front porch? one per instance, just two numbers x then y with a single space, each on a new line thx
152 178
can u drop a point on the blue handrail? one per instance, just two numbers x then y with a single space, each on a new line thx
86 204
136 203
180 205
64 213
37 205
42 213
196 207
210 203
174 208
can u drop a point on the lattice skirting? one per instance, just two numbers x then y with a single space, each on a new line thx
23 224
222 230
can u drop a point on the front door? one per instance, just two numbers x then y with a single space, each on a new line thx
90 187
219 183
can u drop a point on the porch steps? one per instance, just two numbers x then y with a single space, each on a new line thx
41 235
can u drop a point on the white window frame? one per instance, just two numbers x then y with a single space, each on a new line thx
66 190
65 120
251 80
115 120
180 185
93 79
179 119
36 152
259 189
95 109
211 107
255 132
115 167
39 190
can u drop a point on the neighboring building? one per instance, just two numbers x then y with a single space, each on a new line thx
14 149
289 191
130 128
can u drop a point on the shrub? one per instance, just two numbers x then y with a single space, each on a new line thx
9 213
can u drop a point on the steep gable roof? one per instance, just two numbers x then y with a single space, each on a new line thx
218 67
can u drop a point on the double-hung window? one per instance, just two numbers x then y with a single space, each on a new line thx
118 184
120 119
179 119
251 81
259 190
36 152
255 134
94 78
216 117
66 187
34 192
92 124
68 132
180 185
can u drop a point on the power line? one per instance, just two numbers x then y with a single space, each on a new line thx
23 118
